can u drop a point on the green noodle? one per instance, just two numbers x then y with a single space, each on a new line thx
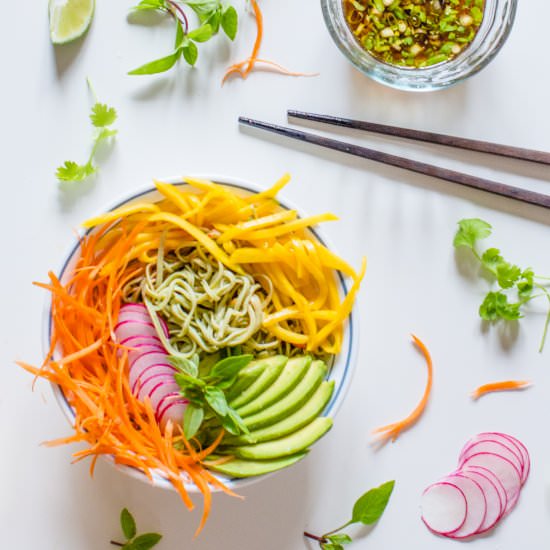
207 306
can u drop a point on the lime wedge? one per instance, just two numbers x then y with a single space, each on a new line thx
69 19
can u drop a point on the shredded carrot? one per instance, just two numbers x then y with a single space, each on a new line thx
505 385
243 68
392 431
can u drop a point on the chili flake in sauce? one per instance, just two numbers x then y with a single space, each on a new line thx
414 33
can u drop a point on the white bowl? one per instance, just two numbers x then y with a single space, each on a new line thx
341 371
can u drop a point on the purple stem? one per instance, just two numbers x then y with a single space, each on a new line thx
315 537
179 14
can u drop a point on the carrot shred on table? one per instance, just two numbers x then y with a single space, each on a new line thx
243 68
392 431
504 385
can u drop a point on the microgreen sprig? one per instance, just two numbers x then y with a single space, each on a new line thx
102 117
212 15
206 394
133 540
367 510
509 277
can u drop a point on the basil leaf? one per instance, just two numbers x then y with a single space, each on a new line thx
230 21
184 365
201 34
128 524
157 66
237 421
185 381
340 538
370 506
330 546
150 5
180 36
228 368
190 52
192 420
144 542
216 399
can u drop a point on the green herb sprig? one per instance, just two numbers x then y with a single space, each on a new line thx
212 15
368 509
102 117
517 286
206 394
133 540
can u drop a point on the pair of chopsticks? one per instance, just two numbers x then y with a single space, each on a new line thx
524 195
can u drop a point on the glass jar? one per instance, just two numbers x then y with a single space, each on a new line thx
498 18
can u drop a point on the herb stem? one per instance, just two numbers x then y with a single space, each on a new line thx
337 529
115 543
315 537
179 14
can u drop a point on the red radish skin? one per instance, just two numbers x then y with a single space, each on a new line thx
151 376
503 469
476 505
494 507
444 508
492 446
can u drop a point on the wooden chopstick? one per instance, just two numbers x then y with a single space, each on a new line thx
494 187
519 153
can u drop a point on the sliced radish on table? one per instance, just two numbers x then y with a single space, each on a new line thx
477 505
492 469
444 508
151 375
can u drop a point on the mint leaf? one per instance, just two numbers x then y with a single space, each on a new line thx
230 21
192 420
201 34
369 507
127 523
158 65
216 399
340 538
229 368
470 231
190 52
144 542
103 115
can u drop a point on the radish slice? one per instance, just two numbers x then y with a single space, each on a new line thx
496 482
151 376
444 508
494 507
505 470
492 446
476 505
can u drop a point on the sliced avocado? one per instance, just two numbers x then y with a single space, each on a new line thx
286 446
303 416
272 369
285 382
238 467
292 401
247 375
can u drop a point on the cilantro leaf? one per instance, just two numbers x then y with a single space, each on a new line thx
495 306
71 171
103 115
470 231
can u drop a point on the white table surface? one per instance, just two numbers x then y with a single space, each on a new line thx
183 122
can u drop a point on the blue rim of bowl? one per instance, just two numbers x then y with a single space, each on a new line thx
330 410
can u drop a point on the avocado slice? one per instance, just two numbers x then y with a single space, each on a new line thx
271 371
294 400
247 375
286 446
313 408
286 381
238 467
